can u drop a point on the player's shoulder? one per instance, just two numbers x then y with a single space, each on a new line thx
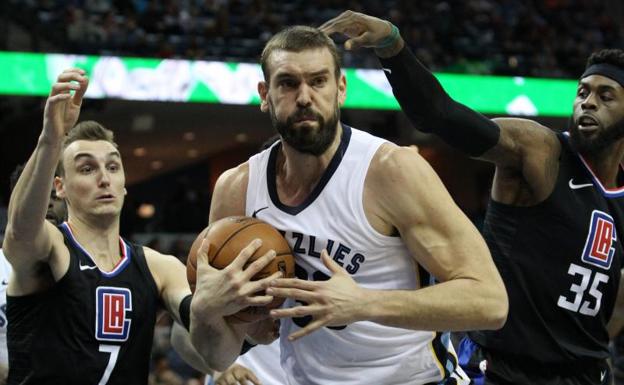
230 192
234 178
160 265
153 256
392 161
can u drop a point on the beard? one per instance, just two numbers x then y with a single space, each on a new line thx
599 141
305 138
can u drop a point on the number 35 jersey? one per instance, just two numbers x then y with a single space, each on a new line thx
560 261
92 327
333 218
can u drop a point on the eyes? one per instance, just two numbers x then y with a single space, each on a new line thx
291 83
88 168
604 95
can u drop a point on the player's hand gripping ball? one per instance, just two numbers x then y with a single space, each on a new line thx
227 237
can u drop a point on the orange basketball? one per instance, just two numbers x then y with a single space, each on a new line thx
227 237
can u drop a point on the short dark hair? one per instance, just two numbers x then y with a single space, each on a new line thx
608 56
296 39
87 130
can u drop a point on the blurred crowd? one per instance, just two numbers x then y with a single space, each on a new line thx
542 38
546 38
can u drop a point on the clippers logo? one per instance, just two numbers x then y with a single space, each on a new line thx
112 305
599 248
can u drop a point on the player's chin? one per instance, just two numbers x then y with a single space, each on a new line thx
107 211
308 125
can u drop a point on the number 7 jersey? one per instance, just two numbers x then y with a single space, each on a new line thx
91 328
560 261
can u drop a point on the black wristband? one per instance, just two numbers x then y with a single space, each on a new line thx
246 347
185 311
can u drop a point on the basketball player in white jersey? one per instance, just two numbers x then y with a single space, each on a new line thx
330 187
370 225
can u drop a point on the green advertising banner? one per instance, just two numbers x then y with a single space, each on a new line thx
236 83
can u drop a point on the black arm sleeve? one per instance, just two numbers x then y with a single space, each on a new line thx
431 109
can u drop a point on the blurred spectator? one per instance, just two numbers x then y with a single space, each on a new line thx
509 37
162 374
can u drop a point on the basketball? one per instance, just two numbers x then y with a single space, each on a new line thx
227 237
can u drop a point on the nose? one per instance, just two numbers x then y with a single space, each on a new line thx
104 180
589 103
304 98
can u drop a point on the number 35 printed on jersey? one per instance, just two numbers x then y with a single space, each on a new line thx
598 252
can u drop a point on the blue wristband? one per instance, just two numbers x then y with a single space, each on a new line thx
389 40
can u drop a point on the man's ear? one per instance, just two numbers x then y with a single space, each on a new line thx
342 89
263 91
59 186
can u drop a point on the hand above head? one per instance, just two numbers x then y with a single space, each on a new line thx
362 30
335 302
219 293
63 105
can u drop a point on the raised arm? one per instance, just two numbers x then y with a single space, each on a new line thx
28 236
513 144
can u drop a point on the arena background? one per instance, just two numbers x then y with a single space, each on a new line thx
175 81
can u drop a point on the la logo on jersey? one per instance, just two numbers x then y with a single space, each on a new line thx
599 248
112 305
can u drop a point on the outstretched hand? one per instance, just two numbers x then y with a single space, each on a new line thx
362 30
335 302
63 105
219 293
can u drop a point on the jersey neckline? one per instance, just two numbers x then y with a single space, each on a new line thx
121 264
345 138
607 192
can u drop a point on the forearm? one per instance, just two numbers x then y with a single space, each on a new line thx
30 197
217 342
181 343
456 305
431 109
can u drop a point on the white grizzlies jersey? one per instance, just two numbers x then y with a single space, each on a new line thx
333 218
264 361
5 272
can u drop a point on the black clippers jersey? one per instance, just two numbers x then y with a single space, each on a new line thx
560 261
91 328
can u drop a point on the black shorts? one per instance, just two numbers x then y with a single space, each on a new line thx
488 368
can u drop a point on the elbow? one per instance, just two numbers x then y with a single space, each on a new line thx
497 308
